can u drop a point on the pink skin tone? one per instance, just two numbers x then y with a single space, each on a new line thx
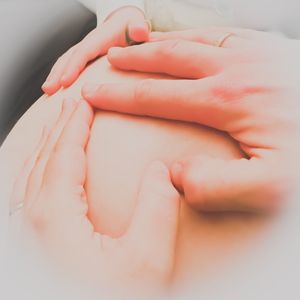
111 33
248 88
119 150
51 187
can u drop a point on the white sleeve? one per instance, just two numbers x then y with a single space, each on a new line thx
106 7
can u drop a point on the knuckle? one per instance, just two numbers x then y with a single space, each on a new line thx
79 58
196 178
234 89
62 60
225 90
86 51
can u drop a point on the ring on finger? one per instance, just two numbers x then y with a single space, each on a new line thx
221 41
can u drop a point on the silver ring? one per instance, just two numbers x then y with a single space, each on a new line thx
223 39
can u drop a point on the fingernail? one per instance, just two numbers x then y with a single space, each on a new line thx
176 175
45 86
89 90
114 51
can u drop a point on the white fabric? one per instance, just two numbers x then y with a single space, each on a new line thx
165 15
106 7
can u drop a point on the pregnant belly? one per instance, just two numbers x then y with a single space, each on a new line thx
120 148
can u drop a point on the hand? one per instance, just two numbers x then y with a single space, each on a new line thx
125 21
51 188
248 88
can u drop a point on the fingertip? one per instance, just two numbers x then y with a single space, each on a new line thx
45 89
113 53
139 32
50 89
70 75
89 91
176 175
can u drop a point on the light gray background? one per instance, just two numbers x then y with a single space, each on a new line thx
33 34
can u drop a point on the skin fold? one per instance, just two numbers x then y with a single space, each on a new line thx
119 150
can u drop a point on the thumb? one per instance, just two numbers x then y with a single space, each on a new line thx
210 184
138 30
153 229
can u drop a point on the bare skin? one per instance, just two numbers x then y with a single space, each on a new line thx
119 150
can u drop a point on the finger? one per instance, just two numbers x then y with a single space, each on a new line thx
20 185
138 30
58 216
197 101
172 57
212 35
70 148
37 175
95 44
52 83
153 229
206 36
60 211
245 33
243 185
